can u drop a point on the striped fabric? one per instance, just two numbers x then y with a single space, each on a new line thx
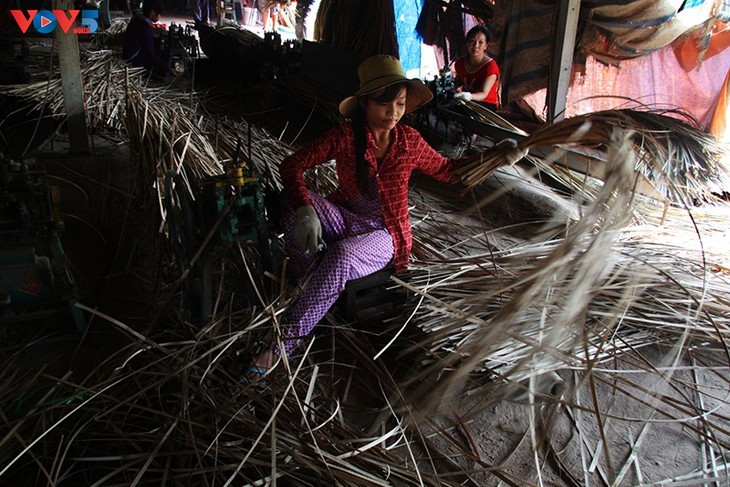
527 44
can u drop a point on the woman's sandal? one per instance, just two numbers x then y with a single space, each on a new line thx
258 370
254 374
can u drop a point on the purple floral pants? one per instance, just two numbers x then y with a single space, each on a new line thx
358 244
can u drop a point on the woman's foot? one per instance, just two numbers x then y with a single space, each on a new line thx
262 364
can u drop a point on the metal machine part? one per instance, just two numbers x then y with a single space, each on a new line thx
456 121
14 58
245 219
178 45
226 211
247 56
236 202
279 58
36 282
443 87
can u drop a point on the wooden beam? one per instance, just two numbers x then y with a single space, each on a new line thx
562 59
71 81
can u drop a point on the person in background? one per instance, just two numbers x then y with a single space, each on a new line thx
270 12
201 11
139 43
476 73
364 225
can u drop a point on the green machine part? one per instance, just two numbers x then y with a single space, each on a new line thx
246 217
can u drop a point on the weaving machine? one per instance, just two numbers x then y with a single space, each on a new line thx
36 283
226 212
178 46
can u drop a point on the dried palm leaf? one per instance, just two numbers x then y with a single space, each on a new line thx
682 161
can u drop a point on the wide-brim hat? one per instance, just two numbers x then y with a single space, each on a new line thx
380 71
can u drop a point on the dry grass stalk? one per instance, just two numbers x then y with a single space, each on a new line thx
104 77
573 262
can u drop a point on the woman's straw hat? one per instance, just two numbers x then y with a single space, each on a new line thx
379 71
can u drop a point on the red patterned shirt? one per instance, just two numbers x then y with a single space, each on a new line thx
408 152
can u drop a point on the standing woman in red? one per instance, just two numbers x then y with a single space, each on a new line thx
477 73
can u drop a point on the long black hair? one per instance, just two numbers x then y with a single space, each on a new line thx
360 135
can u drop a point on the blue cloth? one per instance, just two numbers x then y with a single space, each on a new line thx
409 43
139 46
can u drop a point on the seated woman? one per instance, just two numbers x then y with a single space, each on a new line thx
477 73
364 225
139 43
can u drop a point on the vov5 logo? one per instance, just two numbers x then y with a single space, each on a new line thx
46 21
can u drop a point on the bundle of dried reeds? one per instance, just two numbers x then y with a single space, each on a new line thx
682 161
178 408
480 113
116 29
181 411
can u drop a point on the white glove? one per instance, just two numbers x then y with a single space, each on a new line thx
512 153
307 231
463 95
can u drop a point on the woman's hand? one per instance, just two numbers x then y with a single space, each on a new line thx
512 151
307 231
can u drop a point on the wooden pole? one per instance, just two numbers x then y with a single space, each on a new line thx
73 89
562 59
